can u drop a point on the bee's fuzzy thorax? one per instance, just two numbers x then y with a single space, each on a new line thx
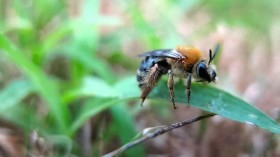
192 54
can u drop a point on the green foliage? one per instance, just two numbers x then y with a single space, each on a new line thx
18 89
244 13
44 86
33 41
215 100
205 97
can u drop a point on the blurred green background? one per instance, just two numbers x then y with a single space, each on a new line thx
62 64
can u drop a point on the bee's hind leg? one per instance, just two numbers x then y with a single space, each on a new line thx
150 81
170 85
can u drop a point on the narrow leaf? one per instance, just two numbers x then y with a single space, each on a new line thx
46 87
13 93
125 128
215 100
89 109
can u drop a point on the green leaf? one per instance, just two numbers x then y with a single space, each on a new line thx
82 55
97 87
13 93
215 100
89 109
43 85
127 88
23 116
53 39
104 96
91 87
205 97
125 128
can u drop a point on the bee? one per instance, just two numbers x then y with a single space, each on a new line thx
183 62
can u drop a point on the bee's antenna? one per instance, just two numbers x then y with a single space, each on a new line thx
215 52
210 57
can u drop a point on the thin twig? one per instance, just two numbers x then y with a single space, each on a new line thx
157 133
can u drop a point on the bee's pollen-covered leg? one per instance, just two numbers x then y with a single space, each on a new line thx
150 81
188 87
143 99
170 85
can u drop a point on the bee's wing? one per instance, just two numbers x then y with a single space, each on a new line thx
169 53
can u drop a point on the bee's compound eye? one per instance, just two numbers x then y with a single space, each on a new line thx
201 71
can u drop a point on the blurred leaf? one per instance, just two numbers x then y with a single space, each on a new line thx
102 69
103 98
54 38
247 13
89 109
91 87
23 116
184 5
90 10
14 92
36 10
86 34
215 100
128 88
47 88
120 59
97 87
62 144
86 58
125 128
143 28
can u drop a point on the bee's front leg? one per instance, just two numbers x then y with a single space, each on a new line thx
170 85
188 86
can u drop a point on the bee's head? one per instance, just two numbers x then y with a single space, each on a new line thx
204 70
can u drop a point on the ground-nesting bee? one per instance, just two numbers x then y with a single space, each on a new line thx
184 62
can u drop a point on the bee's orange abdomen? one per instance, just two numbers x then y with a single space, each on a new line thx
192 54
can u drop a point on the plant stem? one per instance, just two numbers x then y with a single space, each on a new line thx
148 136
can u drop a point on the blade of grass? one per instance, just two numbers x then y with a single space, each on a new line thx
13 93
24 117
125 128
46 87
89 109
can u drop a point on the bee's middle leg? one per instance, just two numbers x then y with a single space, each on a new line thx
188 86
170 85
